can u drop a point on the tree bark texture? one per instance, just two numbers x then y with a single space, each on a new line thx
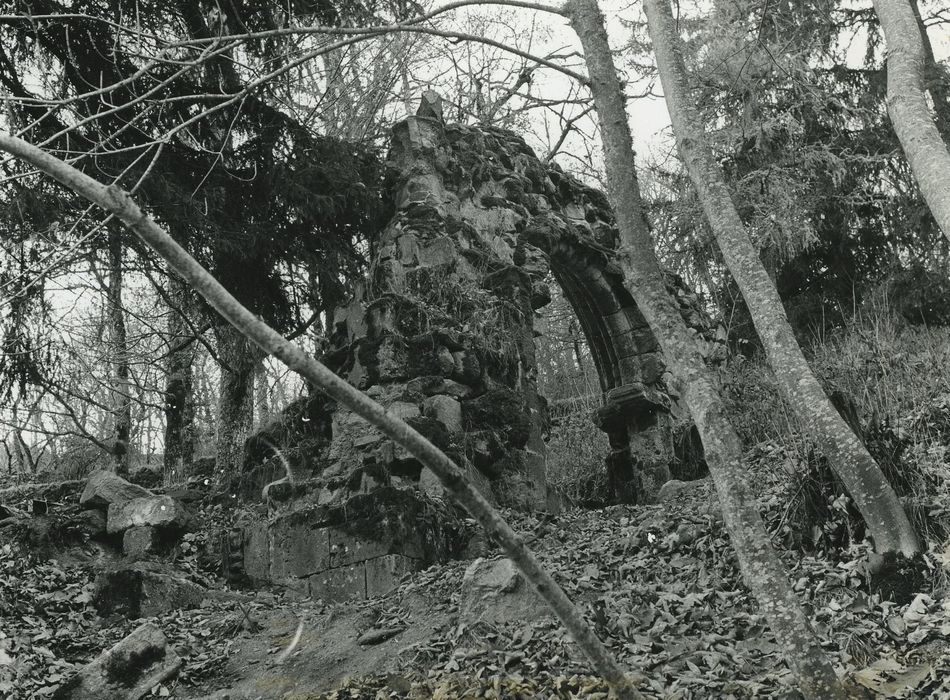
887 522
907 106
117 201
936 79
118 356
235 399
761 568
179 384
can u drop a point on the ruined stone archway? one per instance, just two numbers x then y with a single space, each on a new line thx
442 333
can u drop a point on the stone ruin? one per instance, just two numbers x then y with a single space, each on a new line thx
442 333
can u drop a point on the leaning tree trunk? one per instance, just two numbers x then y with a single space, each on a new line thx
907 106
118 356
270 341
887 522
179 384
936 81
761 568
235 399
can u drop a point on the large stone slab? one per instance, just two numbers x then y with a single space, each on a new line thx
339 585
297 549
135 592
162 512
141 541
383 574
104 488
127 671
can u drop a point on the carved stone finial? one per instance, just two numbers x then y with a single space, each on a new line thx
430 106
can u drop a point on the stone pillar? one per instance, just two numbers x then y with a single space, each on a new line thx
443 332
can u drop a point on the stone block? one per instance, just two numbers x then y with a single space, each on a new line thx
431 385
404 410
440 252
297 549
408 249
162 512
340 584
494 591
444 409
651 367
636 341
136 592
349 547
130 669
256 551
104 488
384 573
140 541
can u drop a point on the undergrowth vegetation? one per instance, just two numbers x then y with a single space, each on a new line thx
889 379
576 451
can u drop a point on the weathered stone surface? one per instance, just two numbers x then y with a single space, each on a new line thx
127 671
311 548
384 573
446 410
104 488
162 512
355 546
135 592
378 635
297 549
339 585
443 335
494 591
255 552
140 541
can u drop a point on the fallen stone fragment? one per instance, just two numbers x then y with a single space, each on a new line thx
379 635
494 591
135 592
156 511
127 671
446 410
105 488
671 489
140 541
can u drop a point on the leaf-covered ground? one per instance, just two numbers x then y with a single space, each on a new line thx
659 583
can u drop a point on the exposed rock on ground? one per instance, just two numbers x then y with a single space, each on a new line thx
139 591
103 488
159 512
659 583
494 592
127 671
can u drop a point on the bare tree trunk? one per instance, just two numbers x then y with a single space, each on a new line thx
261 395
117 201
179 385
936 80
118 357
907 106
235 399
761 568
887 522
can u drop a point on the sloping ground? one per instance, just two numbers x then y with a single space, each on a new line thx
659 583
